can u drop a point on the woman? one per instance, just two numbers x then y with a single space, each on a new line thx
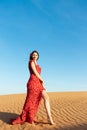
35 91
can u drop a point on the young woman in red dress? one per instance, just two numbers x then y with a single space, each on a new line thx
35 91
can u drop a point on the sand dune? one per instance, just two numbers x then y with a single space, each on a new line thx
69 112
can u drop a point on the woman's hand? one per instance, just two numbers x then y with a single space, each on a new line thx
43 85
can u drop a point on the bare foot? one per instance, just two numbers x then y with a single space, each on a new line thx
51 121
33 123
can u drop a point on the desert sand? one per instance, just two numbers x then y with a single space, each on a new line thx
69 112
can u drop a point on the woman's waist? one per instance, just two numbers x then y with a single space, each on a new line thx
34 77
33 81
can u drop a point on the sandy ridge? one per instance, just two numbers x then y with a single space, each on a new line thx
69 112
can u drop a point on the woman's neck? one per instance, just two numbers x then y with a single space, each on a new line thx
35 62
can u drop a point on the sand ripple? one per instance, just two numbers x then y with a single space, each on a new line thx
69 112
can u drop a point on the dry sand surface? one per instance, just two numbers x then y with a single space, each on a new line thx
69 112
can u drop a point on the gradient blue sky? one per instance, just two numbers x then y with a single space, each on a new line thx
57 29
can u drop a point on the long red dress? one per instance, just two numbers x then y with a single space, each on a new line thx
33 98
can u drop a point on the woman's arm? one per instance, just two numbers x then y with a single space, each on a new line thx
35 71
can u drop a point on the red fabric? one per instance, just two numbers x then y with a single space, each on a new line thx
33 98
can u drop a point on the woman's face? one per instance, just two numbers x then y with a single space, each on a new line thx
35 56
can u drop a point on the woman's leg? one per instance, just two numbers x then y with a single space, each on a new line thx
47 106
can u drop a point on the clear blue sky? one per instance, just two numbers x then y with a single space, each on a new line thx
57 29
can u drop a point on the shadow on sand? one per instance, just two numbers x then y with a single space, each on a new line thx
6 117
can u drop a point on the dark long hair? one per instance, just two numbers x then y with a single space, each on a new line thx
32 54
